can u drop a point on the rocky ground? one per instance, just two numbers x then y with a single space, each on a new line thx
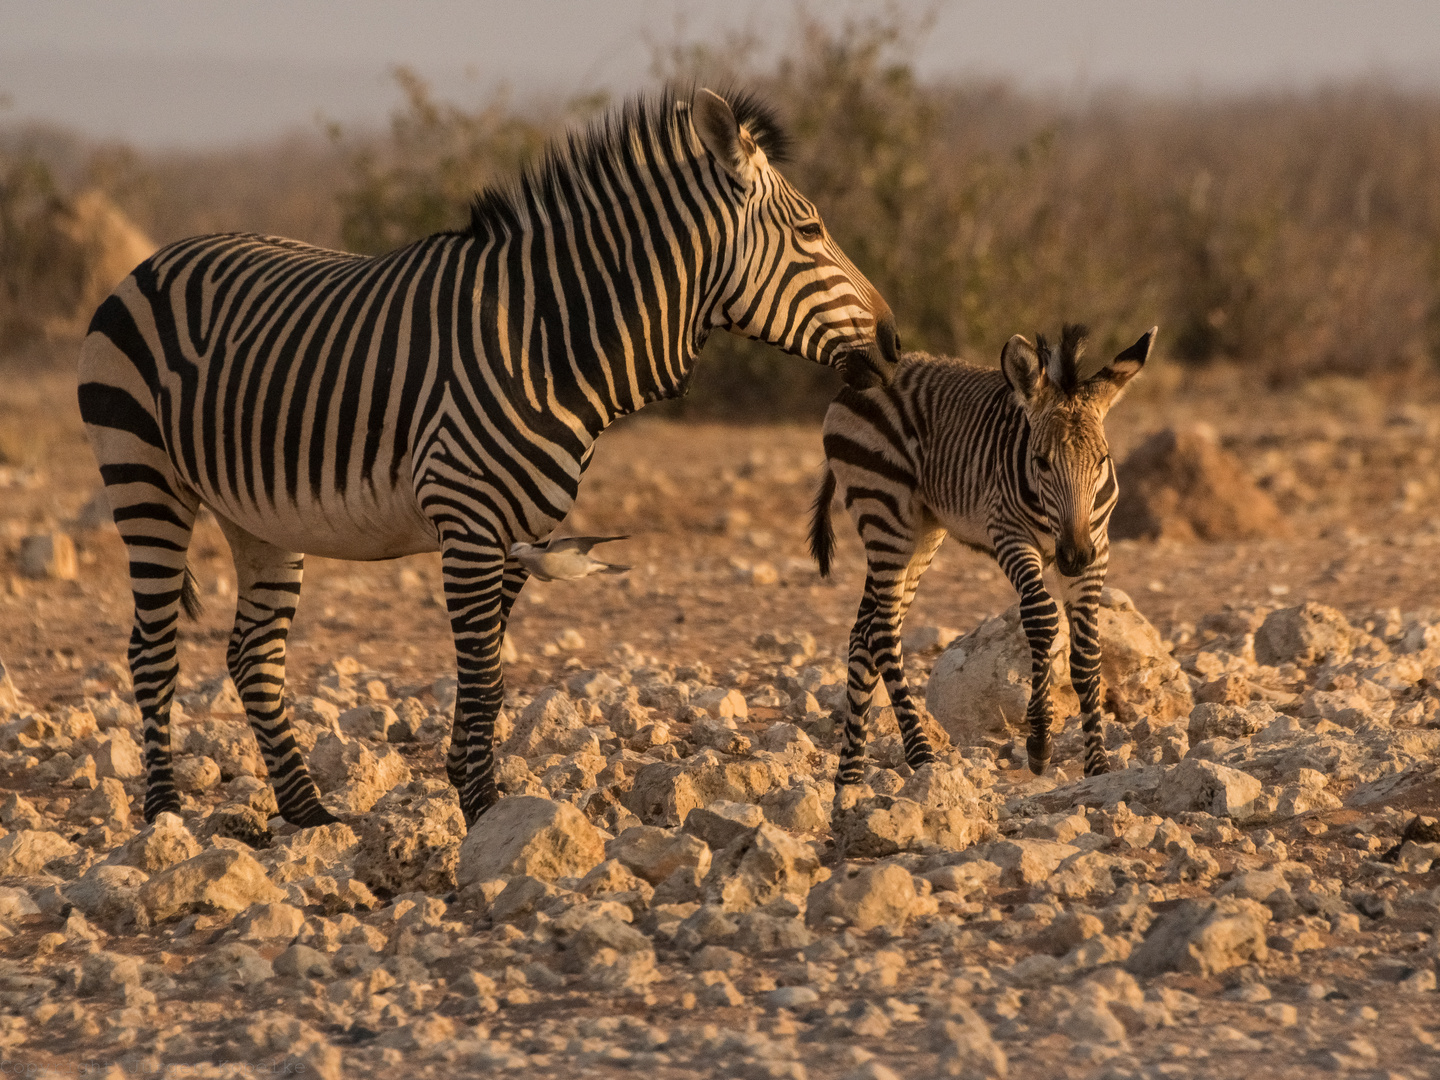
670 885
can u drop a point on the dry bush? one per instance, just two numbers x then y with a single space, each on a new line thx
1289 234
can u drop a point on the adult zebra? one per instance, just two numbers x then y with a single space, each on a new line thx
445 396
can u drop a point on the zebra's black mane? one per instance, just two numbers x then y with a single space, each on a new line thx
1063 369
588 154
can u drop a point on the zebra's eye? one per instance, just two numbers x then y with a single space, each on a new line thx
810 231
1042 462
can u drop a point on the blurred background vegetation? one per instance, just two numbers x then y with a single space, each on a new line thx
1283 236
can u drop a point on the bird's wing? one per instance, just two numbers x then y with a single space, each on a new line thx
581 544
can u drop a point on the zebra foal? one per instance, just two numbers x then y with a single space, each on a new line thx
444 397
1011 462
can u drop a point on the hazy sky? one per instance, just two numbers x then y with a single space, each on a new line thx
210 72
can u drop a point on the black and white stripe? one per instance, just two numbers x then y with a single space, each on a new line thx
445 396
1011 462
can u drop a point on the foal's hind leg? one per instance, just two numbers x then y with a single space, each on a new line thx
893 589
267 589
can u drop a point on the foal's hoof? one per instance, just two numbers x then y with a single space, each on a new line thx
1097 764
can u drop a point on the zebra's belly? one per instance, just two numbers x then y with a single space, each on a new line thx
362 526
970 531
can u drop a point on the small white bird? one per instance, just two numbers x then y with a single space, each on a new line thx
565 558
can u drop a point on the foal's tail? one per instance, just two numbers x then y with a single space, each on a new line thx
822 534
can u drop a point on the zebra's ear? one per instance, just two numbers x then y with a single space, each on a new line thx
723 136
1107 384
1023 370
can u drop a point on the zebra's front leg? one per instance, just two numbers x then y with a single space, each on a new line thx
1041 619
455 762
1082 601
268 582
474 570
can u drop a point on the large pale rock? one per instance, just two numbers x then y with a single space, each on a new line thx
954 816
609 954
109 895
228 742
653 854
1140 676
1212 720
1022 861
218 880
107 801
864 897
525 834
355 774
758 866
118 756
878 826
1304 635
1203 937
720 822
25 853
551 724
10 696
158 846
980 686
1205 785
1181 485
47 555
666 792
410 842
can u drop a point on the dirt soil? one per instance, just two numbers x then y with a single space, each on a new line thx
716 516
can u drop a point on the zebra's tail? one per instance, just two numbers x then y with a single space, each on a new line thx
822 534
190 595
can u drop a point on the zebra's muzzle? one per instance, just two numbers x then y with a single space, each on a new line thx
1072 560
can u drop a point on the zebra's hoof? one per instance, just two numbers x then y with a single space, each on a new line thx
919 760
309 817
474 805
1097 766
168 803
1038 751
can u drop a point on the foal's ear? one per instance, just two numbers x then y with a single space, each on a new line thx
1023 370
1108 384
723 136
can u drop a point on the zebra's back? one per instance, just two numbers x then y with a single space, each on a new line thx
938 434
284 382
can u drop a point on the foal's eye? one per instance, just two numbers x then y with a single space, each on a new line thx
811 230
1042 463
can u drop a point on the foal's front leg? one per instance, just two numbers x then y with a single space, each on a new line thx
1082 601
1040 616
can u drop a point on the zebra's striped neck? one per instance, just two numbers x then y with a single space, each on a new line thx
598 305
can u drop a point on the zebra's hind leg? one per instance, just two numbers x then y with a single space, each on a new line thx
1082 599
157 538
859 689
155 514
888 657
455 761
267 582
1041 618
